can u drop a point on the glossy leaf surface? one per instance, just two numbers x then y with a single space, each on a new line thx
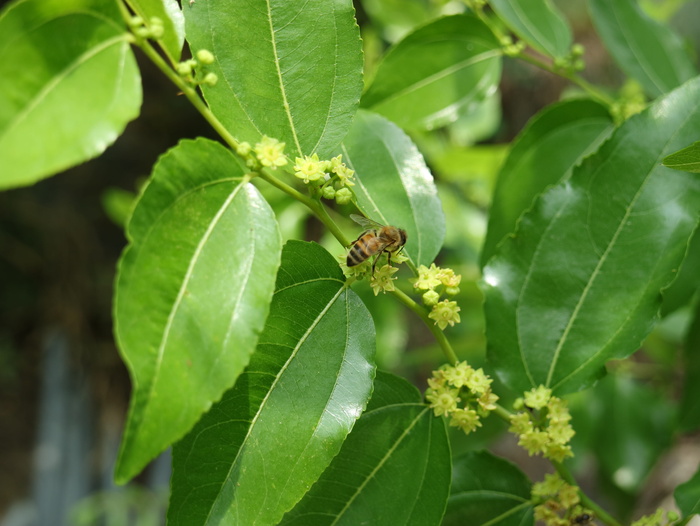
394 185
689 418
168 11
644 49
192 293
687 495
62 100
280 73
488 490
687 159
393 469
436 73
544 154
290 411
579 282
538 23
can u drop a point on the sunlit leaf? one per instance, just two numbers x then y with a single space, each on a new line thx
436 73
394 185
579 281
256 453
192 293
538 23
169 13
544 153
280 72
63 99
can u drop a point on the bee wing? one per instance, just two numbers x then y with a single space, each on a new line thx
365 222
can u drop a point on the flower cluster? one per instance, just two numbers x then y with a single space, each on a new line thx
462 393
444 312
657 518
543 427
189 69
560 503
330 178
512 48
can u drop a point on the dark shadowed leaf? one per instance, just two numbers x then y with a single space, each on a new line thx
689 418
687 495
394 185
687 159
488 490
192 293
645 49
394 469
579 282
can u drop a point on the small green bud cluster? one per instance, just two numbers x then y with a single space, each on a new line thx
657 518
560 502
572 62
543 427
631 102
511 48
444 312
154 29
330 179
191 68
451 385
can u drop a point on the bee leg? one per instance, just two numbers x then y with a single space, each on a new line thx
374 263
388 258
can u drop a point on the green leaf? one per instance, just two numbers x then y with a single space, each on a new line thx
393 469
173 23
687 282
390 389
645 49
394 185
687 495
256 453
630 433
69 84
687 159
544 154
488 490
192 293
538 23
398 17
689 418
280 72
436 73
579 282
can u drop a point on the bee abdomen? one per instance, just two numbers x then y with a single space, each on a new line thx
358 253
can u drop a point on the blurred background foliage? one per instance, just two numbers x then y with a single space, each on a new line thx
60 239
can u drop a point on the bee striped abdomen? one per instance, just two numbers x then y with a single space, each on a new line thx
361 250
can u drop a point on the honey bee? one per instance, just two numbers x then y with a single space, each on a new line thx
374 240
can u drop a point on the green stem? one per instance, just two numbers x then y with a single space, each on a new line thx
600 514
423 315
593 91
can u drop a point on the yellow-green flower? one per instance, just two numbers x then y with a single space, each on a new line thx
270 152
443 401
382 280
458 375
487 401
465 419
309 168
444 313
427 277
537 398
479 382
